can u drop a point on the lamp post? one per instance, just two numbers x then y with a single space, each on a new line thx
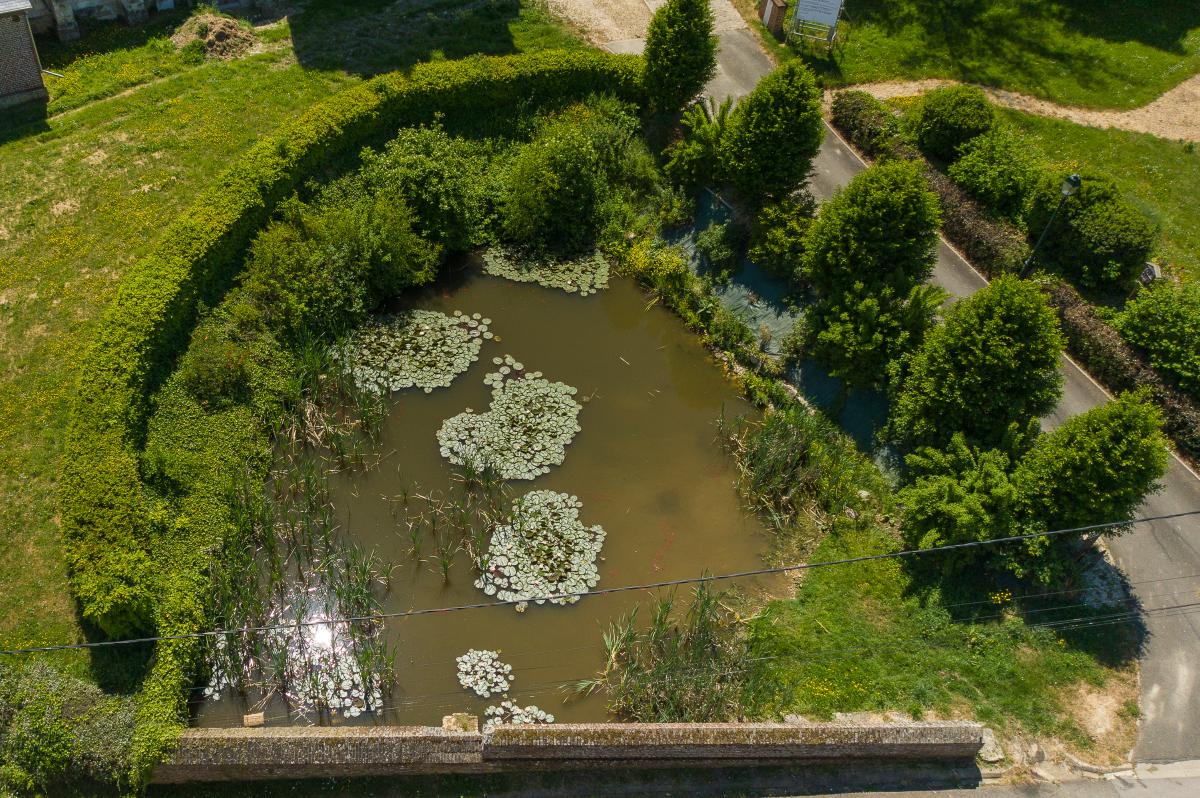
1069 187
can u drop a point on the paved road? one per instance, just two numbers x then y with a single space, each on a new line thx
1161 560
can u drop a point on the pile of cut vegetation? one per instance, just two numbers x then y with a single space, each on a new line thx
219 37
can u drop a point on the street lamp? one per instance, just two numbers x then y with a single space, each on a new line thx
1069 187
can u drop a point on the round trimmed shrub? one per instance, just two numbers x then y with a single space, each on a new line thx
1164 322
952 116
777 235
997 169
1100 239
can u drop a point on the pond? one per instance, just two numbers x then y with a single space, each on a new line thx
645 466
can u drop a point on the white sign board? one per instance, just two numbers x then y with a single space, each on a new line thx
824 12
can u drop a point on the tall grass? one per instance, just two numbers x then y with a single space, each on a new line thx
796 470
681 667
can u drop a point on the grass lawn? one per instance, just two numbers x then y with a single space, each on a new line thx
84 193
1163 177
1095 53
870 637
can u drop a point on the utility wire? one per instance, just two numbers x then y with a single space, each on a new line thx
610 590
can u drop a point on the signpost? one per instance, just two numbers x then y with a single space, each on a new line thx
817 19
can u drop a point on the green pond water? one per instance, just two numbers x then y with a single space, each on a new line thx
646 467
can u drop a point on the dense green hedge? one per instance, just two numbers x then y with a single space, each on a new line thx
1099 348
113 530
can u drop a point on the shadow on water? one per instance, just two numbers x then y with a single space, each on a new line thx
765 304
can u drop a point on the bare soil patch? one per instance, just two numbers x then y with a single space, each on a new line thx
221 37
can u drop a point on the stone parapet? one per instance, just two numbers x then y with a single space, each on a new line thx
321 752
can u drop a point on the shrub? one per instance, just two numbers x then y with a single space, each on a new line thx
1099 238
879 230
694 160
866 122
320 269
1164 322
442 178
215 371
773 134
951 116
722 245
992 246
777 235
960 495
859 334
681 54
1119 367
993 363
998 169
1096 468
559 182
56 730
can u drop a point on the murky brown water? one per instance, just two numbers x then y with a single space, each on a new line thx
645 465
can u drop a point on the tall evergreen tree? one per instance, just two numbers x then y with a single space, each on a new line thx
773 134
681 54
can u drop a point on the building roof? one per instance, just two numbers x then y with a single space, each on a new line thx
9 6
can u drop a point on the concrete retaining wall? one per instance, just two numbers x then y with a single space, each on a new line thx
269 753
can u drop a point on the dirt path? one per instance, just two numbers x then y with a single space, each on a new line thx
605 21
1174 115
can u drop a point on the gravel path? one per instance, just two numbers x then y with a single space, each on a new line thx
1174 115
604 21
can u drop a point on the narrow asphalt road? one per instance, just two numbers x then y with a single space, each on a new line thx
1161 559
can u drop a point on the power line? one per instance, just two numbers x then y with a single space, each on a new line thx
610 590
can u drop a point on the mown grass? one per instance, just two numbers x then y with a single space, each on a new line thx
1163 177
1095 53
83 194
875 636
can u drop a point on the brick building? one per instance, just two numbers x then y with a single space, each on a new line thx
20 70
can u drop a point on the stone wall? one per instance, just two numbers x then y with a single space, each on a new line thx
267 753
20 70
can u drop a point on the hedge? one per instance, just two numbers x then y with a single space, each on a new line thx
993 247
108 523
1119 367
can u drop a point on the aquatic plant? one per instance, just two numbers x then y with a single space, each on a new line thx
543 550
483 672
524 432
508 712
285 568
584 276
674 669
415 348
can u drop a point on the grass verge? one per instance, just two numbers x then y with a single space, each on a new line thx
1091 53
1158 175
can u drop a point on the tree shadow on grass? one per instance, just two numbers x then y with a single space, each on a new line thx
1098 615
373 36
987 41
116 669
